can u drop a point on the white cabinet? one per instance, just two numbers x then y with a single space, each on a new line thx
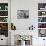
41 41
42 19
4 21
3 40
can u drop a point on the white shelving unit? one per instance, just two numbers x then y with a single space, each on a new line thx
4 16
4 23
42 18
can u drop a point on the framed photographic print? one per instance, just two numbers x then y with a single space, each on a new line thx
22 14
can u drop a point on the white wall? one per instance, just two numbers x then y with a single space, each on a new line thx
23 24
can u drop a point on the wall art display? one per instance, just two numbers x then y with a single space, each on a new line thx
31 27
6 7
42 33
22 14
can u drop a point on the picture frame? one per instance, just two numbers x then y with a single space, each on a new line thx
22 14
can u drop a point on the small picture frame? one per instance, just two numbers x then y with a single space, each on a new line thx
22 14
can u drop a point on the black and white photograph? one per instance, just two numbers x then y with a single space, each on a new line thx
22 14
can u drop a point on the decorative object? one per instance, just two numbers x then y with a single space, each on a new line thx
42 25
23 40
3 13
41 19
43 13
13 27
42 32
41 6
22 43
31 27
27 38
6 7
3 19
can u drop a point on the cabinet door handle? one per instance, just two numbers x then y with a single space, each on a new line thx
43 39
1 39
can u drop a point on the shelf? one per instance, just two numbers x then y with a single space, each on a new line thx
3 22
4 19
41 22
3 10
42 16
41 10
3 16
41 28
